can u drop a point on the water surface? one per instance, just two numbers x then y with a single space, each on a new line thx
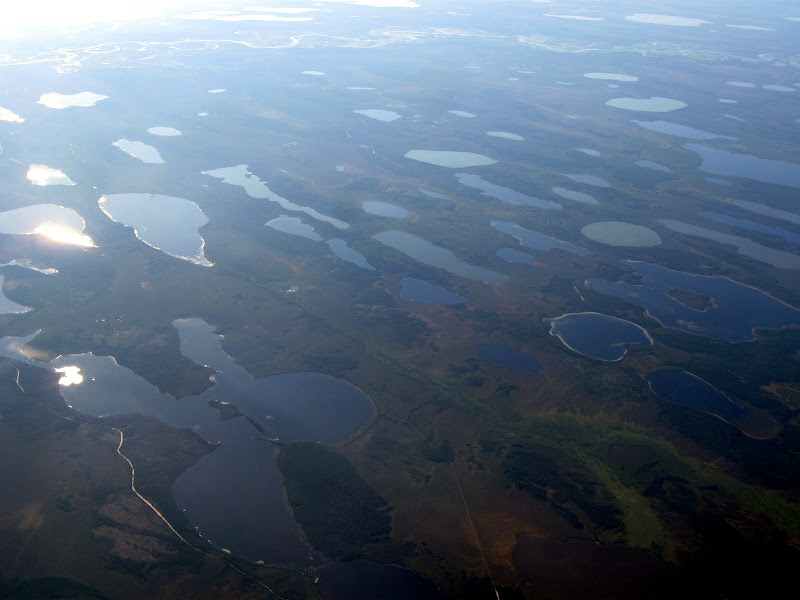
683 131
61 101
417 290
140 150
744 246
384 209
165 131
536 240
347 254
436 256
9 307
26 263
736 311
59 224
751 226
619 233
452 160
43 175
255 188
506 135
505 194
166 223
10 116
722 162
293 226
652 104
575 196
379 114
598 336
592 180
687 389
768 211
649 164
462 113
658 19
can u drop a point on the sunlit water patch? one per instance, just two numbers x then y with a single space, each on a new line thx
611 76
9 307
313 73
164 131
722 162
216 91
536 240
658 19
727 101
768 211
505 194
452 160
347 254
574 196
59 224
506 135
779 88
430 194
61 101
509 358
255 188
734 312
588 152
379 114
682 131
417 290
166 223
384 209
26 263
592 180
598 336
649 164
293 226
741 84
140 150
744 246
652 104
435 256
573 17
44 175
619 233
462 113
689 390
9 116
749 27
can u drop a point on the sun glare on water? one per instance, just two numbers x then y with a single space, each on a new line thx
64 235
69 376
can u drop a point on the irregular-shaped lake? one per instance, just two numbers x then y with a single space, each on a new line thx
9 116
61 101
598 336
683 131
536 240
657 19
57 223
462 113
751 226
452 160
384 209
9 307
736 310
649 164
509 358
575 196
255 188
729 164
165 131
436 256
505 194
611 76
506 135
140 150
652 104
686 389
166 223
347 254
417 290
293 226
744 246
592 180
379 114
619 233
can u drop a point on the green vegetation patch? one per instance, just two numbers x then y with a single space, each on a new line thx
338 511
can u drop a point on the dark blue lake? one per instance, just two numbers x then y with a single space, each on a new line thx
686 389
596 335
417 290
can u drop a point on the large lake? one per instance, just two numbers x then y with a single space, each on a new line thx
598 336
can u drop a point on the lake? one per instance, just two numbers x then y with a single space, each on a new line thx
598 336
686 389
